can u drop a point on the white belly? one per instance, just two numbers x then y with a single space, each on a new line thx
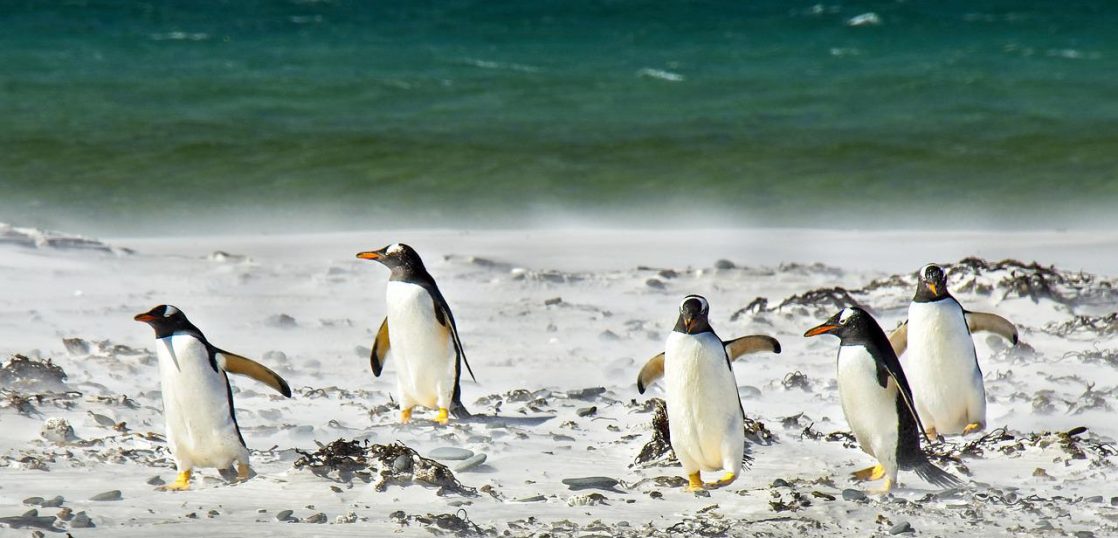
870 409
419 345
200 427
704 411
941 367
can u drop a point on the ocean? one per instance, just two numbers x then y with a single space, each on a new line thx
181 116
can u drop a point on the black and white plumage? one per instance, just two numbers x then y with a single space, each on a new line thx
420 333
877 401
705 416
201 427
941 360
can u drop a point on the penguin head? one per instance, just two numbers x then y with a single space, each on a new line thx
398 257
931 283
693 315
165 319
851 324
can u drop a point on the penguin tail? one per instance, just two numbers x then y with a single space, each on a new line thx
459 411
934 475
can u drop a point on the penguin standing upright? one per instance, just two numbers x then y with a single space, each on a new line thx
876 400
942 364
197 399
705 416
420 332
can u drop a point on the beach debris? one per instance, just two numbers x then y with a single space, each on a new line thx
791 501
819 301
343 460
22 373
903 527
30 520
1097 325
591 482
853 495
316 518
57 430
285 515
282 321
588 499
456 524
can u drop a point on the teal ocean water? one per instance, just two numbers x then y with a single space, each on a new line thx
491 112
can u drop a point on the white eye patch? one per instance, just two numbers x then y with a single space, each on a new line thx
703 305
845 314
170 311
396 248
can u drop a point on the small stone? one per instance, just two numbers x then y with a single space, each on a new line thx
350 517
654 283
1094 499
781 483
470 463
586 394
1114 501
552 301
38 534
402 464
155 481
590 482
33 501
449 453
724 264
656 495
113 495
57 501
901 528
587 411
316 518
213 514
283 321
81 521
192 515
1084 534
284 515
851 494
65 514
702 493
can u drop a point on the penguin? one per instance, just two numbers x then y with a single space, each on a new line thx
705 416
201 425
421 334
947 385
877 400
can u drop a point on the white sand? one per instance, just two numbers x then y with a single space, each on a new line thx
609 321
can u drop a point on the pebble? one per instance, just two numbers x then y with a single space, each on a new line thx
316 518
213 513
1094 499
155 481
851 494
402 464
724 264
702 493
901 528
1084 534
65 514
113 495
470 463
1114 501
586 394
58 500
587 411
590 482
449 453
81 521
33 501
781 483
57 430
284 515
654 283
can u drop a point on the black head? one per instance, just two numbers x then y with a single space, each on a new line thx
852 325
166 320
403 260
693 315
931 284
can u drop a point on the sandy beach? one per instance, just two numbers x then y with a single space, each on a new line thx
556 324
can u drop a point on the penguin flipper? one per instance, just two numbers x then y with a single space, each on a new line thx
899 338
750 344
236 364
984 321
652 370
379 354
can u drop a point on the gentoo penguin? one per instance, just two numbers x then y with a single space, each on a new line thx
876 400
197 400
705 417
420 332
941 362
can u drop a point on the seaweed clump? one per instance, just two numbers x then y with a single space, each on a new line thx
380 465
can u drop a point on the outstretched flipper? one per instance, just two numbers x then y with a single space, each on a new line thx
236 364
898 339
983 321
379 355
736 348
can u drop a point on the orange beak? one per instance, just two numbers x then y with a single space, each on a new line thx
822 329
145 317
370 255
932 287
